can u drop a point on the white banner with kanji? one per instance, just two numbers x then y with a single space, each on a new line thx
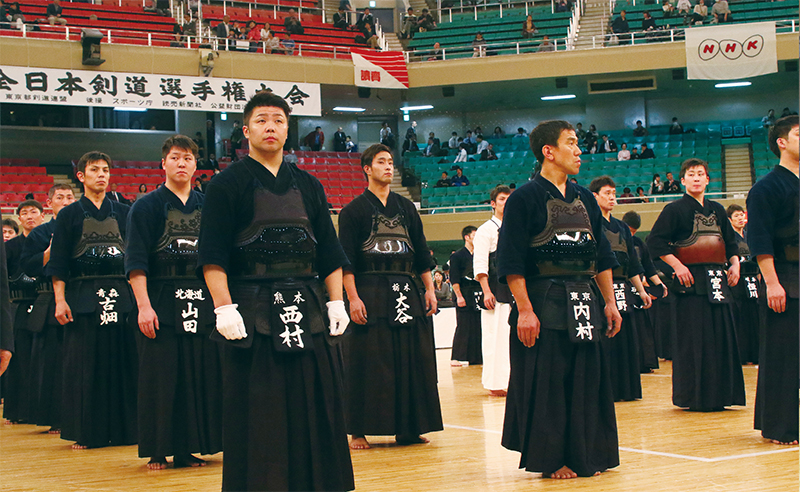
731 51
31 85
380 69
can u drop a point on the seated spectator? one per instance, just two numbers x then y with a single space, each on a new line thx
635 154
626 196
624 154
594 147
640 196
498 132
646 153
470 142
432 149
699 13
459 179
350 145
488 154
482 145
426 22
189 28
546 45
787 112
667 8
292 23
591 136
142 191
444 182
369 36
271 43
453 142
365 18
649 25
672 187
340 19
436 52
14 15
10 229
478 46
253 35
478 131
640 131
409 24
684 7
562 6
675 128
462 154
529 28
198 184
288 44
607 145
656 186
54 11
721 12
768 120
580 132
620 26
521 133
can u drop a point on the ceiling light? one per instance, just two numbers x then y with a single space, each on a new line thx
416 108
726 85
556 98
131 110
349 110
223 116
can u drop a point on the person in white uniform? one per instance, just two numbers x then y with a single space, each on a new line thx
497 298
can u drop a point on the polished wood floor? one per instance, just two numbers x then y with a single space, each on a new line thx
661 448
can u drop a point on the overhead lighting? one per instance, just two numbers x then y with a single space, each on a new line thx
416 108
727 85
349 110
131 110
556 98
223 116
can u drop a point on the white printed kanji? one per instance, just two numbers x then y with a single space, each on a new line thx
278 298
587 296
402 316
190 326
582 309
396 287
715 279
108 317
573 296
298 297
189 294
292 316
585 331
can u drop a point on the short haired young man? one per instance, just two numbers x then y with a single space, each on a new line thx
550 247
10 229
267 242
693 237
772 236
46 352
497 298
467 337
623 349
93 297
745 293
180 379
390 364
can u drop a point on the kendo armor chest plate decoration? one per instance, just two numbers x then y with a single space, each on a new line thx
388 247
705 245
566 246
175 254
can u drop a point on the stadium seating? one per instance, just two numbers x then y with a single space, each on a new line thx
339 172
20 177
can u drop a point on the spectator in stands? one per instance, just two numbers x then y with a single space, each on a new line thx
672 187
769 120
471 142
562 6
435 140
345 5
410 142
212 162
29 196
453 142
340 19
482 145
223 31
338 140
292 23
253 35
462 153
640 196
237 135
649 25
626 196
521 134
684 7
498 132
699 13
10 229
667 8
370 38
580 132
444 294
478 46
787 112
529 28
436 52
635 154
444 182
488 154
646 153
546 45
426 22
365 18
315 139
198 184
54 11
350 145
721 12
624 154
432 149
591 136
409 24
478 131
14 15
142 191
620 26
288 45
271 43
656 186
238 33
607 145
117 196
198 140
640 131
459 179
676 128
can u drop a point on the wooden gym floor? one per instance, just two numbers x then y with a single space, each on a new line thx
661 448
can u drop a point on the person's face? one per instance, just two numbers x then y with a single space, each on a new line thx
567 154
695 180
29 218
499 203
179 165
738 220
444 175
469 237
438 277
459 172
789 145
436 45
624 146
96 176
606 198
382 169
226 19
669 176
8 233
60 199
640 191
267 129
605 138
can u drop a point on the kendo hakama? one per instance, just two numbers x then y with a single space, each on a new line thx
642 318
664 315
772 208
706 372
283 426
747 313
100 363
180 375
560 404
390 363
623 349
467 339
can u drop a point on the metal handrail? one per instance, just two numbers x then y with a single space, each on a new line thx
482 50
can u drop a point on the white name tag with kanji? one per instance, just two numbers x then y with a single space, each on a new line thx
290 327
718 290
583 322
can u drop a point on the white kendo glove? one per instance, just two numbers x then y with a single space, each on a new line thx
338 316
230 323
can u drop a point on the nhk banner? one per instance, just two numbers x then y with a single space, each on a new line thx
382 69
731 51
147 91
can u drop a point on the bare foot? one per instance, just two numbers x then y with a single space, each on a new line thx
9 422
562 473
405 440
78 446
359 442
775 441
157 463
498 392
53 430
459 363
187 461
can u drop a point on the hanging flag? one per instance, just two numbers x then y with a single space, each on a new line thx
382 69
731 51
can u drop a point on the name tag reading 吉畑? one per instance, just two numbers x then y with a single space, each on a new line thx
621 296
718 290
751 285
583 323
290 328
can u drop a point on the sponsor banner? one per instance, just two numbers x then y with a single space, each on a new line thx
381 69
731 51
30 85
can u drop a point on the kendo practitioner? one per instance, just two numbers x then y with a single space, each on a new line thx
773 210
693 236
93 300
497 298
623 349
467 337
18 394
6 329
655 287
390 361
48 335
267 242
745 293
560 405
180 379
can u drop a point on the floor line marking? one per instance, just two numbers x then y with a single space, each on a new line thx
759 453
669 455
472 429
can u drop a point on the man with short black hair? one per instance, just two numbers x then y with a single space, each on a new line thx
745 294
10 229
467 337
646 152
671 187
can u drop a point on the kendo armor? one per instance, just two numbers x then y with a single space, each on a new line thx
100 250
21 288
388 247
175 254
566 246
786 239
620 249
705 245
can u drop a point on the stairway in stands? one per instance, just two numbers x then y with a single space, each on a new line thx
594 22
397 185
738 176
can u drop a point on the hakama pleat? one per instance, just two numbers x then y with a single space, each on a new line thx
664 319
18 382
47 370
495 329
748 322
647 343
625 362
467 343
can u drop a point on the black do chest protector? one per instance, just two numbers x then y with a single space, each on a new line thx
566 246
100 250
